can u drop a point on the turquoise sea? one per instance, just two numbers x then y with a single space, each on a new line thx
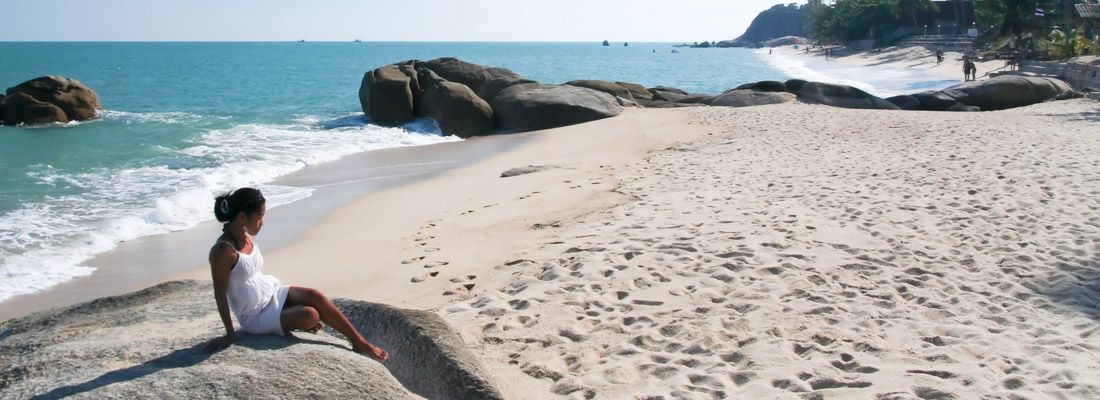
184 121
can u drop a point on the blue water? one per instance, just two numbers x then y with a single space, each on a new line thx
184 121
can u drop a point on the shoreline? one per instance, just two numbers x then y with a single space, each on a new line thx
761 252
890 72
126 267
672 244
779 251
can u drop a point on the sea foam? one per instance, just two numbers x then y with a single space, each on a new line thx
879 81
45 242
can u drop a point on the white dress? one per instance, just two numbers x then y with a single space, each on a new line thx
257 299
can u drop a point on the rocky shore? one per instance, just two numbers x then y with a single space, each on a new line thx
468 99
151 341
48 99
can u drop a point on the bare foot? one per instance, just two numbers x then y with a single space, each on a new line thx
316 328
372 351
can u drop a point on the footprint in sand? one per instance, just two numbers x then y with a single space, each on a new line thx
414 259
421 278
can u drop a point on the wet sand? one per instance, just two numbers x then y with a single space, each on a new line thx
140 263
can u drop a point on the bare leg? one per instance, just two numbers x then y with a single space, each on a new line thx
301 318
300 302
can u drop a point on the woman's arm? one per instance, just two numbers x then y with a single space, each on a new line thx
222 259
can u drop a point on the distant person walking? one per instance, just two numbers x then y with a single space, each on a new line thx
939 56
970 71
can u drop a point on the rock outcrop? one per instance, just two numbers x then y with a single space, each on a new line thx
748 98
467 99
611 88
1010 91
904 102
463 98
794 85
490 89
764 86
387 94
840 96
533 106
473 75
454 106
637 92
22 108
776 22
149 344
49 99
935 100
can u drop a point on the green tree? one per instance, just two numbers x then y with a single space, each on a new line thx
849 20
903 8
1015 16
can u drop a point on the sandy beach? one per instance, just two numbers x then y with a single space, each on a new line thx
784 251
768 252
512 210
914 57
889 72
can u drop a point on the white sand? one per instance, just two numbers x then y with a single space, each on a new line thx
890 72
761 252
921 58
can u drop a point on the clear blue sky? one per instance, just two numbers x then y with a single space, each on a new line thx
339 20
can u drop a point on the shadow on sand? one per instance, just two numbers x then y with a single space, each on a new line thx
1088 116
182 358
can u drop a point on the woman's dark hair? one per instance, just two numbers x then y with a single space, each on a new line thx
228 205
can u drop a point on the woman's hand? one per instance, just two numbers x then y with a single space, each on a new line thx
220 343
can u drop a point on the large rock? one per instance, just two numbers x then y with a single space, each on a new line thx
664 93
764 86
785 41
1010 91
669 104
21 108
637 92
748 98
149 344
841 96
457 109
794 85
473 75
387 95
533 106
778 21
696 99
666 89
905 102
934 100
76 101
426 354
490 89
960 107
610 88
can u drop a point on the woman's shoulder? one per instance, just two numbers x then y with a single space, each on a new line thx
222 250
